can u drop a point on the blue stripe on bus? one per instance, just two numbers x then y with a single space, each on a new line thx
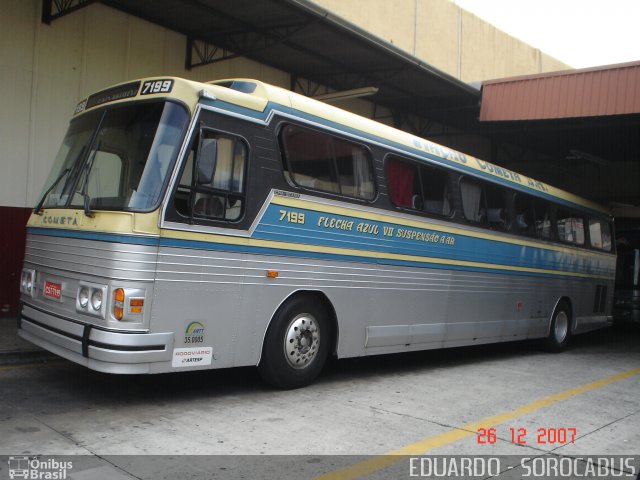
153 241
464 248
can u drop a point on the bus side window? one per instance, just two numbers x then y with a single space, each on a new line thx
484 203
403 181
355 173
418 187
217 194
524 215
600 234
570 227
542 211
472 201
497 210
435 190
319 161
310 159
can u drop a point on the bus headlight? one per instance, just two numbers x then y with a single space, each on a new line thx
89 299
96 300
83 297
28 282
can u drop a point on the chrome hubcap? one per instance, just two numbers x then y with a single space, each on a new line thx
302 341
561 327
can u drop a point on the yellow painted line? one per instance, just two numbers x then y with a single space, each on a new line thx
421 447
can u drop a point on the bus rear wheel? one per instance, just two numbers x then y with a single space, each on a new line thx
296 345
560 330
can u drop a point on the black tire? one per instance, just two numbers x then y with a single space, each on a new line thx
560 329
302 325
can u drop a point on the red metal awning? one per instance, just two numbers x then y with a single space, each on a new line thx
591 92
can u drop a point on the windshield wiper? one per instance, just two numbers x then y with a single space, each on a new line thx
85 185
38 208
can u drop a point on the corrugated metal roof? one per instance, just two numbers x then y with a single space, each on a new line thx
600 91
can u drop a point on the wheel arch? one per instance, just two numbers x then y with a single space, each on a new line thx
313 295
566 300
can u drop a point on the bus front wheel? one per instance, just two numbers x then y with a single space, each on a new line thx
296 345
560 330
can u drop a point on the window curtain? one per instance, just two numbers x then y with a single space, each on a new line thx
238 168
471 194
224 164
400 177
362 174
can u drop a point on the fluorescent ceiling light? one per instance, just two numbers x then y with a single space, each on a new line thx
346 94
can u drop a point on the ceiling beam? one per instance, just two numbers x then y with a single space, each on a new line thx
54 9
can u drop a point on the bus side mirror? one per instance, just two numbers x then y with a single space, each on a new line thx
207 156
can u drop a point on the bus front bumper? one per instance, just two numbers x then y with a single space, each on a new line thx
94 347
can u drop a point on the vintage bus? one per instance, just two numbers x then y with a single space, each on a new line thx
191 226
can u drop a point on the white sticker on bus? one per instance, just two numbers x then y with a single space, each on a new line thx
191 357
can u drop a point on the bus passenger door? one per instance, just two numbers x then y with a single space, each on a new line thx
209 273
202 261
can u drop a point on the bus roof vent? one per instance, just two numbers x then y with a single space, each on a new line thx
238 85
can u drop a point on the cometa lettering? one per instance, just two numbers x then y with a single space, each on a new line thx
50 220
502 172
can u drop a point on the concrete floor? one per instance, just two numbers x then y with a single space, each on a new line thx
421 403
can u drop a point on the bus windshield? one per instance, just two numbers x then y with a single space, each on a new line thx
116 158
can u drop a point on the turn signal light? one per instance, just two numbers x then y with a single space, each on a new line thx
128 304
118 303
136 304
